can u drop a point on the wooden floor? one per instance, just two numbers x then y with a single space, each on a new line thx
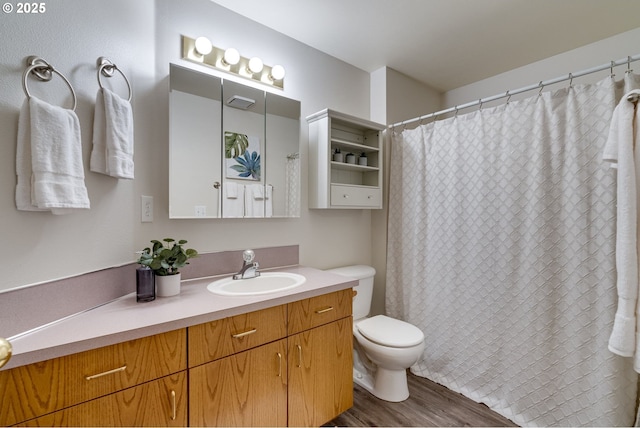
429 405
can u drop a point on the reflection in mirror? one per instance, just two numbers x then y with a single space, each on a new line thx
243 127
194 144
282 138
233 149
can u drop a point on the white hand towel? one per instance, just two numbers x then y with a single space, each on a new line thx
619 150
268 203
233 201
23 161
258 201
49 159
231 190
113 141
258 191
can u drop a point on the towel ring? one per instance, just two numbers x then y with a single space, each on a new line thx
107 68
43 71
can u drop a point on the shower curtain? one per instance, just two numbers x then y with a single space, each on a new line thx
292 183
501 250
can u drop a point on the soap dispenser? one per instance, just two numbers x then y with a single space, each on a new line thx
145 284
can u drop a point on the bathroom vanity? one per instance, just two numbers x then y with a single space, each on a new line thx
273 360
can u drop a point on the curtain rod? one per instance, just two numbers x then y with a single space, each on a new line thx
628 60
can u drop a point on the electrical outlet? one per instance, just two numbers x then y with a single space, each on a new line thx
146 215
201 210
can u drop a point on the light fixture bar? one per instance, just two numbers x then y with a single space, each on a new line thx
215 59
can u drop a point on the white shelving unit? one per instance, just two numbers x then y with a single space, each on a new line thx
340 184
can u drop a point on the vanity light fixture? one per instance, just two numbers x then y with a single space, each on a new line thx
201 51
202 46
255 65
277 72
231 57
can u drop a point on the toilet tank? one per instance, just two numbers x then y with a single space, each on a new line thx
362 300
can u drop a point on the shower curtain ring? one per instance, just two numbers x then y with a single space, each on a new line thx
629 70
541 88
612 73
456 113
508 95
480 102
570 80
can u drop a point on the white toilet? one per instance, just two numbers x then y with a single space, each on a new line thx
384 347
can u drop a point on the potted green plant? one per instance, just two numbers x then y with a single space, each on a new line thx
165 258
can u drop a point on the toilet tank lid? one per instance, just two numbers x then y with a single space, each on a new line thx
390 332
355 271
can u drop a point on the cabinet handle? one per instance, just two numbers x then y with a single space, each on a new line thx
119 369
279 364
244 333
173 405
299 355
322 311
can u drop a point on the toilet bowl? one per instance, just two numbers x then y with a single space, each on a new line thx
384 347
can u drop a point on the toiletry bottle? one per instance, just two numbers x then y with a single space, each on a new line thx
145 284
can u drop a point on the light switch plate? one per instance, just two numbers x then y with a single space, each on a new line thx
146 215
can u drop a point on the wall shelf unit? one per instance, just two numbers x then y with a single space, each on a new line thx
335 184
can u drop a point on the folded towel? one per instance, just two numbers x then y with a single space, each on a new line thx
258 201
257 191
231 190
268 204
233 201
619 151
113 144
23 161
49 159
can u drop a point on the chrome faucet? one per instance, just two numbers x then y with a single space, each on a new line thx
249 268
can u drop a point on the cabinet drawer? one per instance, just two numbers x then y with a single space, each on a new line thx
217 339
30 391
159 403
351 196
315 311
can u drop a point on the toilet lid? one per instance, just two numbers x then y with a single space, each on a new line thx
390 332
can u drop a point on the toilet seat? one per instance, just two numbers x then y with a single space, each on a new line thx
390 332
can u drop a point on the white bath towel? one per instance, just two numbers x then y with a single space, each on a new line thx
258 201
113 143
619 150
49 168
233 200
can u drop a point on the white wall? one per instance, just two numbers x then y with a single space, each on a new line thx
142 37
594 54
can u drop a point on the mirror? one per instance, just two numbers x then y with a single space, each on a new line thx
233 149
194 144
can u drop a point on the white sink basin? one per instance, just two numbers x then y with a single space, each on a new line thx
267 282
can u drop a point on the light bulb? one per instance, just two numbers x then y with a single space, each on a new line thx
231 56
203 46
277 72
255 65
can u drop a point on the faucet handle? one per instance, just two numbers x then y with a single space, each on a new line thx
248 256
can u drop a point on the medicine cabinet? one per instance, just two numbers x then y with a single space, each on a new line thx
233 149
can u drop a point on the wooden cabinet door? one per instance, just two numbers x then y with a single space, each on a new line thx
159 403
320 373
244 389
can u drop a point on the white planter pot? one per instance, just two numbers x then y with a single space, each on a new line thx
168 285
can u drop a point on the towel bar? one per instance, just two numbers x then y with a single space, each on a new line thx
107 68
43 71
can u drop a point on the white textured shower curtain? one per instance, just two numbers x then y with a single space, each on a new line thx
501 249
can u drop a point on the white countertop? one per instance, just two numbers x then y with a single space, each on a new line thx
125 319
